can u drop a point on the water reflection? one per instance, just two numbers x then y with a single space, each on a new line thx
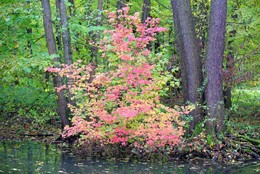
31 157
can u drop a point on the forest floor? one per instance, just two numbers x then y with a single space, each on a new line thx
21 128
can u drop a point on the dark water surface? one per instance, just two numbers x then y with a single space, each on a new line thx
31 157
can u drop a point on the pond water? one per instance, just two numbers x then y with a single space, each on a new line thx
31 157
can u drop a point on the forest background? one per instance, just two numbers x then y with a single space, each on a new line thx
29 101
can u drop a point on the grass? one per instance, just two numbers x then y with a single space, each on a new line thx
245 111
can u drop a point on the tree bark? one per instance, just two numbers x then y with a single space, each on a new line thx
189 49
57 26
29 32
146 10
213 65
67 51
145 14
180 50
47 22
100 8
65 33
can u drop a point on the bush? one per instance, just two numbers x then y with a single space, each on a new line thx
122 105
29 102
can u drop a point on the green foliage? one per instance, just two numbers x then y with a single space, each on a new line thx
244 113
210 140
25 89
164 72
246 101
28 102
244 20
86 23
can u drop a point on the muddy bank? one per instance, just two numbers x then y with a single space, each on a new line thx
235 147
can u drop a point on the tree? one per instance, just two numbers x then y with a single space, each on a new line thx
213 65
67 51
65 33
100 9
179 45
189 56
146 10
57 27
190 61
47 22
29 32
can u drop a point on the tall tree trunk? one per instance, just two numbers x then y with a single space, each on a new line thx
100 9
213 65
190 52
29 32
146 10
47 22
67 51
145 14
65 33
57 27
180 50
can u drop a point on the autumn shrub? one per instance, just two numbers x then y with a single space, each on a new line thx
121 106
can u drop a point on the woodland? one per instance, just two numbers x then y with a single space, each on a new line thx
133 80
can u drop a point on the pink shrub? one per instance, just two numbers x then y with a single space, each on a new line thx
122 106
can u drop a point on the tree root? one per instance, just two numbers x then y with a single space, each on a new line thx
245 145
251 140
